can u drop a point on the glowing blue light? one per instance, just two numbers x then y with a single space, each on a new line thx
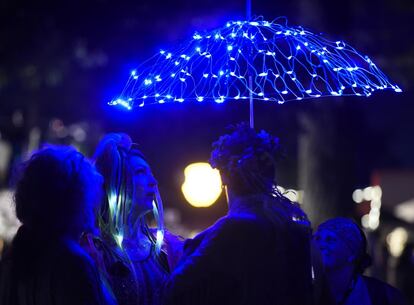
159 240
285 63
119 238
122 103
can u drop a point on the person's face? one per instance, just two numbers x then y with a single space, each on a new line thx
143 184
335 253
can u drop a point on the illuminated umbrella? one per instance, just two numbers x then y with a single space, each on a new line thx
253 60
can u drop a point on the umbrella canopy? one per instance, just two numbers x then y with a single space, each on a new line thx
257 59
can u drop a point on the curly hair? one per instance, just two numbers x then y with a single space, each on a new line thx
247 159
57 191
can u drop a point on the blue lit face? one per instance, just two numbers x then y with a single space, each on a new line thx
144 185
335 253
284 63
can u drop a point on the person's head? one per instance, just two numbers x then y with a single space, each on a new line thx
129 186
246 160
57 191
342 245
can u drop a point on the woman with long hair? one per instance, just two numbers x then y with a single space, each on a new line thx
130 254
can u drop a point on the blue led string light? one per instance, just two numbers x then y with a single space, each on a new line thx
286 63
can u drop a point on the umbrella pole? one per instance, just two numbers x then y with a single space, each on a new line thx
251 103
249 17
248 10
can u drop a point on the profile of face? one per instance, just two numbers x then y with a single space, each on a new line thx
143 185
335 253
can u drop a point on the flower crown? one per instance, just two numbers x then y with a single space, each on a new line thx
245 149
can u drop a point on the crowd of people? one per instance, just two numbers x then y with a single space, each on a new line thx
85 237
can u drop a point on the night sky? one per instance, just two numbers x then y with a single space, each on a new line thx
67 59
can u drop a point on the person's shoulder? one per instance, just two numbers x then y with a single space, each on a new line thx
392 294
243 225
73 258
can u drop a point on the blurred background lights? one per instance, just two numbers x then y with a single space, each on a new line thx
358 196
371 194
368 193
202 185
396 241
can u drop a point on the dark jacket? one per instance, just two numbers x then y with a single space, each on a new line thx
244 259
48 271
381 293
